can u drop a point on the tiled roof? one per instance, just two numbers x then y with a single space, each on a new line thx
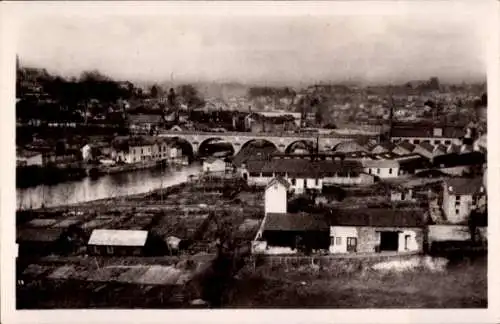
303 167
295 222
427 146
386 156
427 131
252 153
464 186
377 217
453 159
407 146
380 163
440 147
279 180
38 234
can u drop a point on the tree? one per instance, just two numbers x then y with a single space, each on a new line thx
190 96
155 91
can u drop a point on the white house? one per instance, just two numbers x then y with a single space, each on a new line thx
276 196
381 168
372 230
304 174
460 196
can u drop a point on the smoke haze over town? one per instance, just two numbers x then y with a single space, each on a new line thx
268 49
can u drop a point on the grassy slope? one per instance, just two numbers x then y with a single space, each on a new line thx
463 286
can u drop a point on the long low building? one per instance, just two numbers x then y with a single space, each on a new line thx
303 174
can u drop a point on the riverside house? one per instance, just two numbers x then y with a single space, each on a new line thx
140 149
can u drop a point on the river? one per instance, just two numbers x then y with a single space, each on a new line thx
108 186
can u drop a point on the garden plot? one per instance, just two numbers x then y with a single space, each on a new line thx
160 275
179 225
35 271
42 222
63 272
66 223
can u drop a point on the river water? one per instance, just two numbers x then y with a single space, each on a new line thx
113 185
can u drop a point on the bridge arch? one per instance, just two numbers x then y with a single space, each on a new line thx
210 139
309 144
185 145
257 140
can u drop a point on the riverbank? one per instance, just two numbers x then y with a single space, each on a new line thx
32 176
103 187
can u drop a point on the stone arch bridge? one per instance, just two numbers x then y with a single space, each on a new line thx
282 141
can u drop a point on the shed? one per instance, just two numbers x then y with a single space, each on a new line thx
39 241
116 242
295 231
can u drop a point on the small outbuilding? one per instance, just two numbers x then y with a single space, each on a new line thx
376 229
118 242
283 233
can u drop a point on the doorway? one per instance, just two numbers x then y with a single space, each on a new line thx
352 244
389 241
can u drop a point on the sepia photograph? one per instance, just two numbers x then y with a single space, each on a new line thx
251 156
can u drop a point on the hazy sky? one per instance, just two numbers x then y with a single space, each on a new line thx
260 49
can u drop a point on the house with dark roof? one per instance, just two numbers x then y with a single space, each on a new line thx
425 149
42 241
458 164
404 148
412 163
435 135
383 148
287 233
372 230
461 196
305 174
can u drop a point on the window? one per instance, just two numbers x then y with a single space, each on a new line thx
317 182
437 142
378 171
390 170
457 211
109 250
338 240
294 181
447 142
369 171
142 151
416 141
332 240
407 240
